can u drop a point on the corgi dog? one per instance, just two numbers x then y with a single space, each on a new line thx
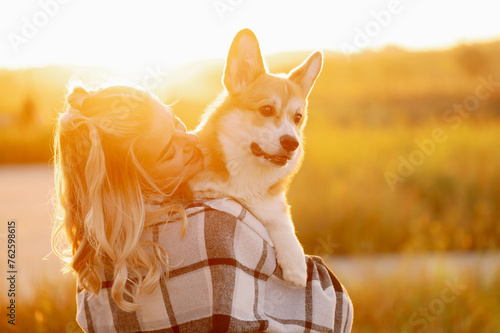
252 142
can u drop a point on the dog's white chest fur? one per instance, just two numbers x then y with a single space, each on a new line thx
252 144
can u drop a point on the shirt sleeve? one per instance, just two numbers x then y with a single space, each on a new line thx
223 277
249 292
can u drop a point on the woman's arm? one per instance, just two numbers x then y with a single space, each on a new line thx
249 292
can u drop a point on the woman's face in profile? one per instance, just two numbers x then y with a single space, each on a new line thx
168 152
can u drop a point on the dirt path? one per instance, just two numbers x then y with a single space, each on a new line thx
356 270
25 198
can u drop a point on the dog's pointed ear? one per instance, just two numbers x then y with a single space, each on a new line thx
307 72
244 62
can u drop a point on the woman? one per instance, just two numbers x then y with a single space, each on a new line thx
148 259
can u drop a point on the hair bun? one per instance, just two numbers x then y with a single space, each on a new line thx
77 96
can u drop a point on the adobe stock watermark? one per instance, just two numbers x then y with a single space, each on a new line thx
425 315
222 7
372 29
120 108
408 165
325 246
31 26
151 81
454 115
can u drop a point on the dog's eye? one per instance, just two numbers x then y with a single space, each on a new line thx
297 118
266 110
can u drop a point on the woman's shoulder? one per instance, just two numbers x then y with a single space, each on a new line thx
226 214
215 230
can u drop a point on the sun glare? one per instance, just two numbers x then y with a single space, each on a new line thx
130 35
399 185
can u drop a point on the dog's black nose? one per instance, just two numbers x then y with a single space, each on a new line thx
289 143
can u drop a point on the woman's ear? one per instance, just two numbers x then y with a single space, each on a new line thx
244 62
307 73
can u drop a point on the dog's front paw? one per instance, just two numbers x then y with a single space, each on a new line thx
296 276
294 267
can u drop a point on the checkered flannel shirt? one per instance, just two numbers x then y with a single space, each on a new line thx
223 277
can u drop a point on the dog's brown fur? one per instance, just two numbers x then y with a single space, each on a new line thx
238 122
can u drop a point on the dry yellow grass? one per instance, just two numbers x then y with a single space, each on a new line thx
365 118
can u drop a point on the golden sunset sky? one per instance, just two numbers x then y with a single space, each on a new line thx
129 35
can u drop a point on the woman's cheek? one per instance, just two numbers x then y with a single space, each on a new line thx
164 170
177 166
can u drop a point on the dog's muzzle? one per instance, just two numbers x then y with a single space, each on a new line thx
279 160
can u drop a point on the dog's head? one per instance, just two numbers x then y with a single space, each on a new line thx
263 115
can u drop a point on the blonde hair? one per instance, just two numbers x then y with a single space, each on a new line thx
101 193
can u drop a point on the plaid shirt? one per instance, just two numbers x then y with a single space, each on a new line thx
223 277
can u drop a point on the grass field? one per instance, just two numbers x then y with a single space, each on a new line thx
389 167
426 303
399 296
401 158
449 202
391 293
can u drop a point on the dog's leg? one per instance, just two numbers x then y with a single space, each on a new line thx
274 214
